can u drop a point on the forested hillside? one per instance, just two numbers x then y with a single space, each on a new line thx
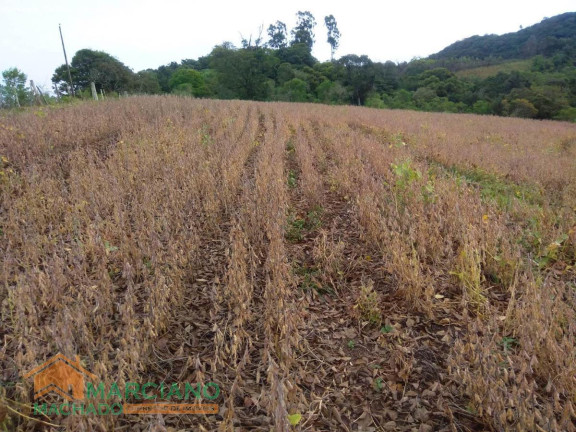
554 36
475 75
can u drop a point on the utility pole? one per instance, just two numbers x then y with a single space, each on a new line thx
66 59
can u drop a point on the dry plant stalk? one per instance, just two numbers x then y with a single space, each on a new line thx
148 236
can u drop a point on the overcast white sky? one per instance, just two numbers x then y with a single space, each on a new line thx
148 33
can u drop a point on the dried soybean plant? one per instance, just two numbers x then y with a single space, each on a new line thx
164 238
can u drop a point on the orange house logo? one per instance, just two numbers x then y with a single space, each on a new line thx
85 396
62 376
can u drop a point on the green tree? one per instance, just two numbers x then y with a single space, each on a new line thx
164 73
445 84
502 83
358 75
146 81
297 54
547 100
243 73
312 77
374 100
294 90
541 64
567 114
410 72
303 33
213 86
482 107
107 72
330 92
13 91
333 34
284 72
402 98
386 78
188 81
328 69
190 63
278 35
520 108
423 97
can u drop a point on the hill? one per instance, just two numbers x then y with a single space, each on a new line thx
549 37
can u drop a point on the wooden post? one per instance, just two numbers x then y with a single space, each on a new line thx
94 93
102 93
42 94
16 98
35 91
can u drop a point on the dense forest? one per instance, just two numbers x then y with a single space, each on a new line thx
554 36
279 66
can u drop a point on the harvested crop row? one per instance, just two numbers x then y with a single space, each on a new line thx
330 268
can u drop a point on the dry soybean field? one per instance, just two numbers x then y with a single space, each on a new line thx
324 268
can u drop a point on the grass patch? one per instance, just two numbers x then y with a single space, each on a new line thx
492 70
494 188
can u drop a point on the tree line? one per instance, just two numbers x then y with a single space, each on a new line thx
279 66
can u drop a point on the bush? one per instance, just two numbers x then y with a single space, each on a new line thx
567 114
521 108
374 101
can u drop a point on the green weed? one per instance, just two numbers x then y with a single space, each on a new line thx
405 174
205 136
290 148
309 280
378 384
314 218
109 248
508 342
292 179
386 329
297 226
